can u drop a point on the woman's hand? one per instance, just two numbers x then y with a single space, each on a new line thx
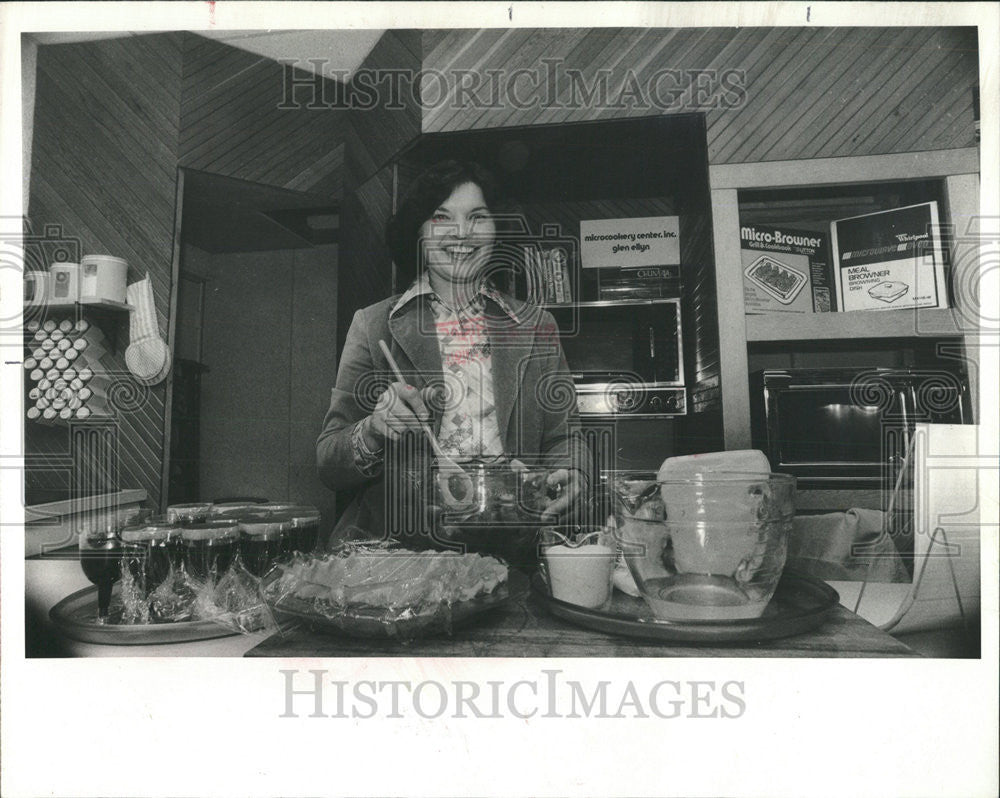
568 484
401 407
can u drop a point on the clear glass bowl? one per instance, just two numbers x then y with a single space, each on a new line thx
706 546
501 516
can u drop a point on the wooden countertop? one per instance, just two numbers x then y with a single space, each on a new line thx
524 628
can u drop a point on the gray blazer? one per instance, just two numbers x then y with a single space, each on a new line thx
535 401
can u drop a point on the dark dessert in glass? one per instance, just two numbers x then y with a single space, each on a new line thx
100 559
209 548
146 553
304 534
263 539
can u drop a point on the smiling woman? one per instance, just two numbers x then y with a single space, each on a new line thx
471 358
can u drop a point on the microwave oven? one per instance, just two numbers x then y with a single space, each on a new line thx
626 357
848 428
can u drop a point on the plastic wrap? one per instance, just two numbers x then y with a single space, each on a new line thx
235 601
377 590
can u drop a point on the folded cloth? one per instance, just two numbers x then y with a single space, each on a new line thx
850 546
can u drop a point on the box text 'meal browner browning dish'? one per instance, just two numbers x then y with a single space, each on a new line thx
890 259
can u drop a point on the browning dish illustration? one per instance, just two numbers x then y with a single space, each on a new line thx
776 278
888 291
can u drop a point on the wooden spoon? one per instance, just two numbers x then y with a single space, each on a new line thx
446 467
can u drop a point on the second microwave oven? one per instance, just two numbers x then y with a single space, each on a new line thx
839 427
626 357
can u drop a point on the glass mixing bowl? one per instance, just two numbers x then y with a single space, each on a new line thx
708 546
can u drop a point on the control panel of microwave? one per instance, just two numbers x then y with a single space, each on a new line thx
630 400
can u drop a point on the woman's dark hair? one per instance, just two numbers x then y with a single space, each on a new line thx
431 188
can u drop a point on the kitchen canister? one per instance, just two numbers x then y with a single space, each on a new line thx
35 288
103 277
64 283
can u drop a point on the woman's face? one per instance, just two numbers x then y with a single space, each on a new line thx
458 237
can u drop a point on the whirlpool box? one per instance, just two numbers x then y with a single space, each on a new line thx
890 259
785 271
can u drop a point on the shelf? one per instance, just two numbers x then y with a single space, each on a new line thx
910 323
102 304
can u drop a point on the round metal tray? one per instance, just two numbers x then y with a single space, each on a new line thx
799 604
76 616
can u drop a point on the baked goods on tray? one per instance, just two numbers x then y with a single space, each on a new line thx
383 591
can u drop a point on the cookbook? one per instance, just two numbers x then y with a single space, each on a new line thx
785 271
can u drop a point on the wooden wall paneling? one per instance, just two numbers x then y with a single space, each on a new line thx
314 161
766 92
809 87
898 96
277 138
870 108
856 106
111 185
865 111
375 197
588 55
217 111
358 161
312 143
615 54
106 192
372 138
594 46
379 133
232 125
753 49
104 156
960 112
448 50
462 49
644 57
522 49
324 176
780 92
164 50
823 110
810 92
211 70
131 72
475 53
365 275
941 95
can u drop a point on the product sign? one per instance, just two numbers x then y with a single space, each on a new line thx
630 243
891 259
785 271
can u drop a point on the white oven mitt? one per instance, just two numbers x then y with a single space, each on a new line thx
147 355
